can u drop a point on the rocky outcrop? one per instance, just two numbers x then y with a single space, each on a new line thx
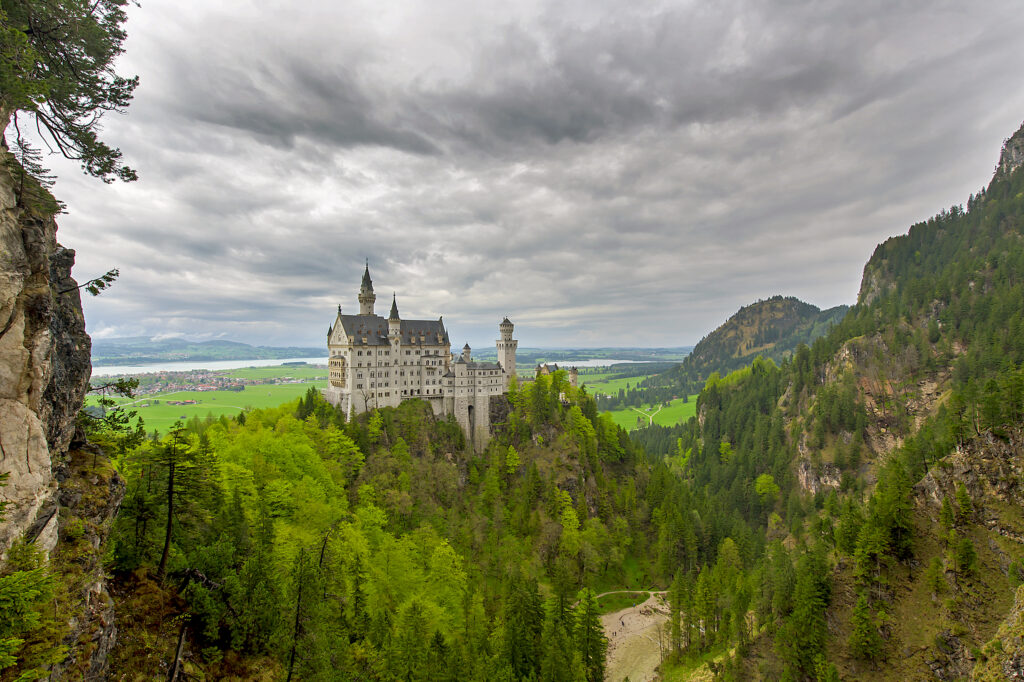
814 479
1012 156
63 501
992 470
1003 657
44 365
90 494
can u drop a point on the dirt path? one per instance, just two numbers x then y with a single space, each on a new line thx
649 415
632 633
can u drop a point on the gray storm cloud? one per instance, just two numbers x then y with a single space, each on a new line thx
603 174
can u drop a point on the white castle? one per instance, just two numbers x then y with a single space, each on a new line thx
377 362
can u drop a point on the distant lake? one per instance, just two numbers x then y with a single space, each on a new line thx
185 366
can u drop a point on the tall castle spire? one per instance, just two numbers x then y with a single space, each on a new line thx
366 295
394 307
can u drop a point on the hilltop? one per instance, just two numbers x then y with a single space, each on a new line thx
772 328
143 349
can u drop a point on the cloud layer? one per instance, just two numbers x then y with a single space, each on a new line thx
602 174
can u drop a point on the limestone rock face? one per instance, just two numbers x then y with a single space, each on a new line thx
44 366
28 302
44 375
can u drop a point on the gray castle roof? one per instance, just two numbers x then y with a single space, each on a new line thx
476 365
375 329
483 365
367 282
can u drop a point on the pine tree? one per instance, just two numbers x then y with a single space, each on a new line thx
864 642
589 635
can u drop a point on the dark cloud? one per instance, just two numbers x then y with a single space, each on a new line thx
589 168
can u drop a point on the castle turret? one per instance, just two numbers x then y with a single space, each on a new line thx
506 346
394 322
466 353
366 295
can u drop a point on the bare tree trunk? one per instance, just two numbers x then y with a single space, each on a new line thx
295 630
176 665
170 518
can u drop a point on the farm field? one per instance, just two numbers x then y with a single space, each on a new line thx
676 412
161 416
280 371
607 385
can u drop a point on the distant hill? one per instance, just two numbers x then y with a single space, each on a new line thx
532 356
142 349
772 328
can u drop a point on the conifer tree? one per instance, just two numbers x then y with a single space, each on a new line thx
589 634
864 642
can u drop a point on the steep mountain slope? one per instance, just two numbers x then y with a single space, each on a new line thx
56 501
890 454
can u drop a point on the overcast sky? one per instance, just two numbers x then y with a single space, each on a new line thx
604 173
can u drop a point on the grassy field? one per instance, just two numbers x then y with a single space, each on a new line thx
677 411
161 416
610 603
607 385
295 372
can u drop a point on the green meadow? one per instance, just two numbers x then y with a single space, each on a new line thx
676 412
280 371
604 383
157 414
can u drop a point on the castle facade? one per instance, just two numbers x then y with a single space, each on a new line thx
376 362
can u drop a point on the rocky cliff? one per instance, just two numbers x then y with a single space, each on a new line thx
1012 156
59 496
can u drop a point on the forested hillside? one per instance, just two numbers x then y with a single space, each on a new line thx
893 446
772 328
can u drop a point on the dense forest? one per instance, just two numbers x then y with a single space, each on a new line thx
878 441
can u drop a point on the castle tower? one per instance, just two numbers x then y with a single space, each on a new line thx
394 322
366 295
466 353
506 346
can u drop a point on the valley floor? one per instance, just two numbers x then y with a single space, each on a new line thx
633 648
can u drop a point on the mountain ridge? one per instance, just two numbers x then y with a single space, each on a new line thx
142 349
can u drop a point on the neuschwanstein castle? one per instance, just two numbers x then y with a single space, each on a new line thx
378 362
